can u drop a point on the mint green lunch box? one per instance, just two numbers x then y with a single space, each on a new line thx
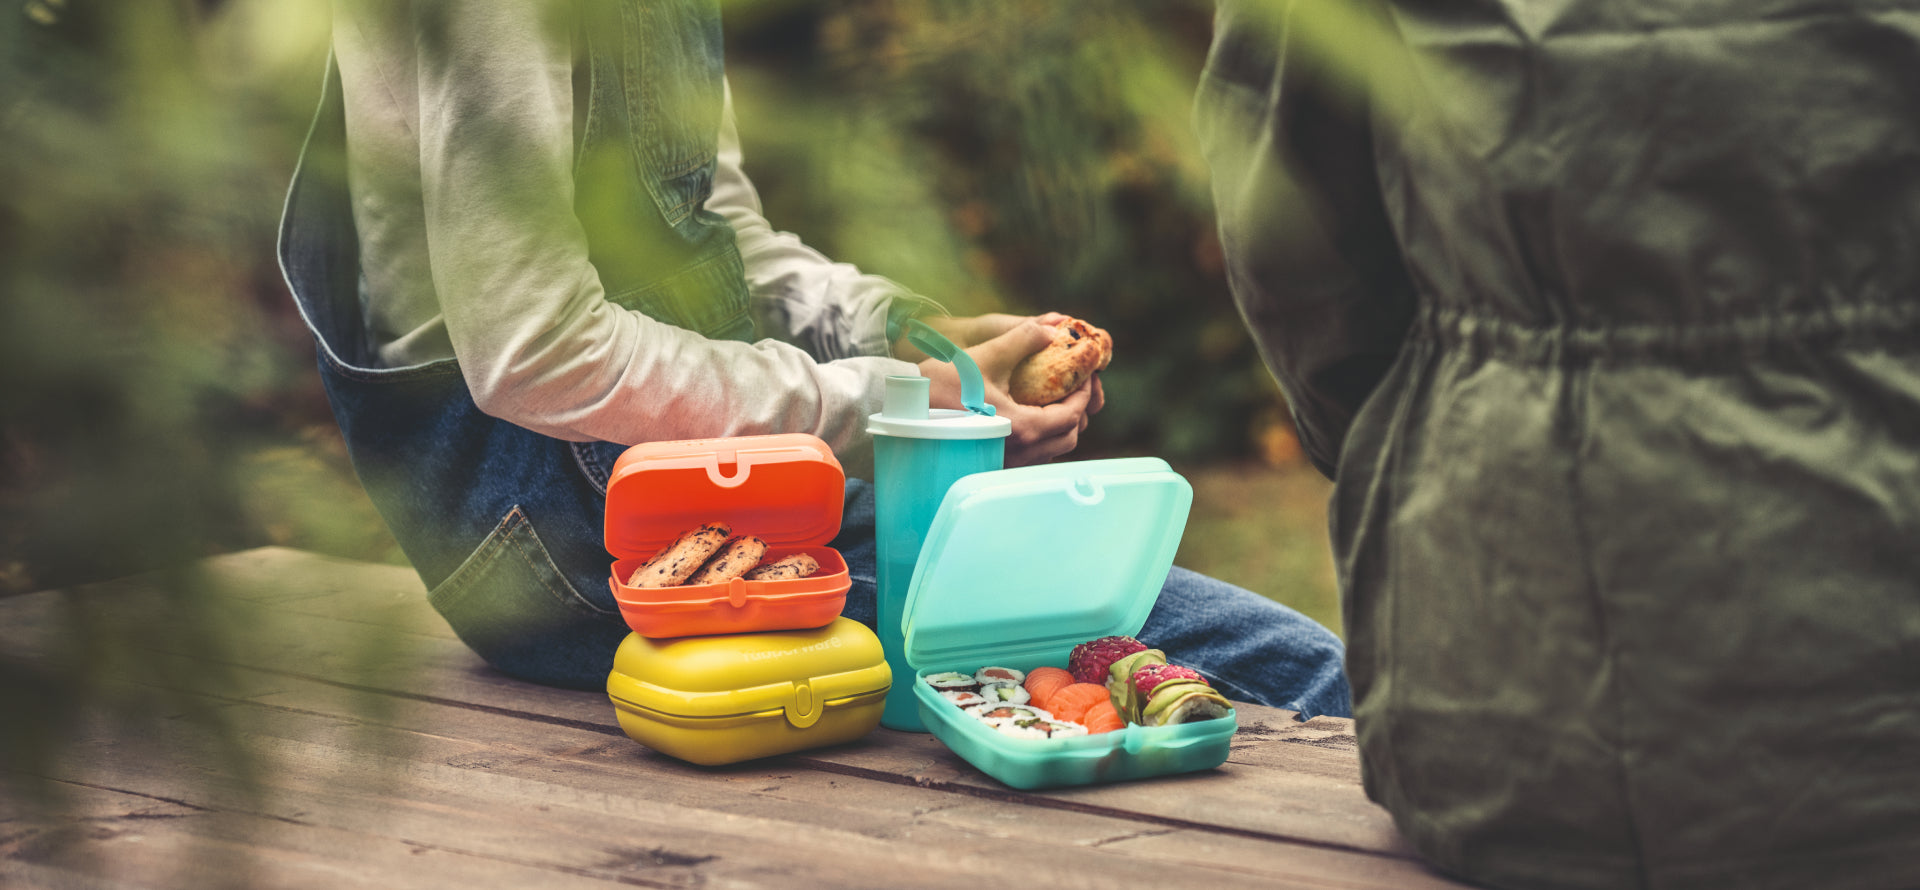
1022 565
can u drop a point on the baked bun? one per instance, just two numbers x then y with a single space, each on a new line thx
737 558
1047 376
672 566
798 565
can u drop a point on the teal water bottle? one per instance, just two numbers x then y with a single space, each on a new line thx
918 452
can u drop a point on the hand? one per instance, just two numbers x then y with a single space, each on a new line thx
989 326
1039 434
965 332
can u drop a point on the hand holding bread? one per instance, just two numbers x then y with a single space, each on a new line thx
1040 432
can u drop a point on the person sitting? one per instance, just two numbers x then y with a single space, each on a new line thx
524 241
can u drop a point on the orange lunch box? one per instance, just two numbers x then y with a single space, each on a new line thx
786 490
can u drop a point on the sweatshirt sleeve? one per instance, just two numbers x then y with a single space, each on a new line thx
1311 256
524 308
830 309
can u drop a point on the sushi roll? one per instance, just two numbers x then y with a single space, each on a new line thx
1007 693
953 681
963 698
1066 729
1042 729
999 675
996 714
1024 729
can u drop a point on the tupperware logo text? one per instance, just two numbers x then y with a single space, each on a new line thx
831 643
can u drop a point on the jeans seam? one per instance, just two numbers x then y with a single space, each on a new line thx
488 552
706 322
597 476
686 167
632 70
426 370
690 201
569 597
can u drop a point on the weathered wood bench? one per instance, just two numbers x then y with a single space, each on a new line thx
373 748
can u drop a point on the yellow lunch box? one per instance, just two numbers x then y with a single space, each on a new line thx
723 699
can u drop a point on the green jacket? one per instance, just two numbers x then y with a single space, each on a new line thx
1604 315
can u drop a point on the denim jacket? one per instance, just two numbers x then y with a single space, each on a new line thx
654 96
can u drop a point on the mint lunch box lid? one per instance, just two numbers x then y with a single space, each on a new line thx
1022 565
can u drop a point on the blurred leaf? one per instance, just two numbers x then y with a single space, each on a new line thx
138 185
1020 155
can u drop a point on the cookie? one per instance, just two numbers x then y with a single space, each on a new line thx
1047 376
682 558
798 565
738 557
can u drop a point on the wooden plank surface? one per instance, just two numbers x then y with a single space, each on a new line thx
343 736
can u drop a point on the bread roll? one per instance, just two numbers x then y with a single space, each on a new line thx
682 558
798 565
738 557
1047 376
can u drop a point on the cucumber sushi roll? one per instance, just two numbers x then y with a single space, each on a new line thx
1066 729
953 681
999 675
964 699
1006 693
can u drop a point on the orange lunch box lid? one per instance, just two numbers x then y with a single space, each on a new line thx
786 490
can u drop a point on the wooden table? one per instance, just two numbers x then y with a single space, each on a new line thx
365 745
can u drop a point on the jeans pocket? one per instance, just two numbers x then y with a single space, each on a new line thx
513 607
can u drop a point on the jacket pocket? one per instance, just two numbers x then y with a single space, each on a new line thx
672 65
513 607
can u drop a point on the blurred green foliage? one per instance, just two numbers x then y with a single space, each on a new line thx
143 155
139 184
1016 156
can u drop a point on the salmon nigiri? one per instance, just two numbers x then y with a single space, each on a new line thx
1072 702
1043 682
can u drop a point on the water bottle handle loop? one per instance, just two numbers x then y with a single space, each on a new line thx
973 386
